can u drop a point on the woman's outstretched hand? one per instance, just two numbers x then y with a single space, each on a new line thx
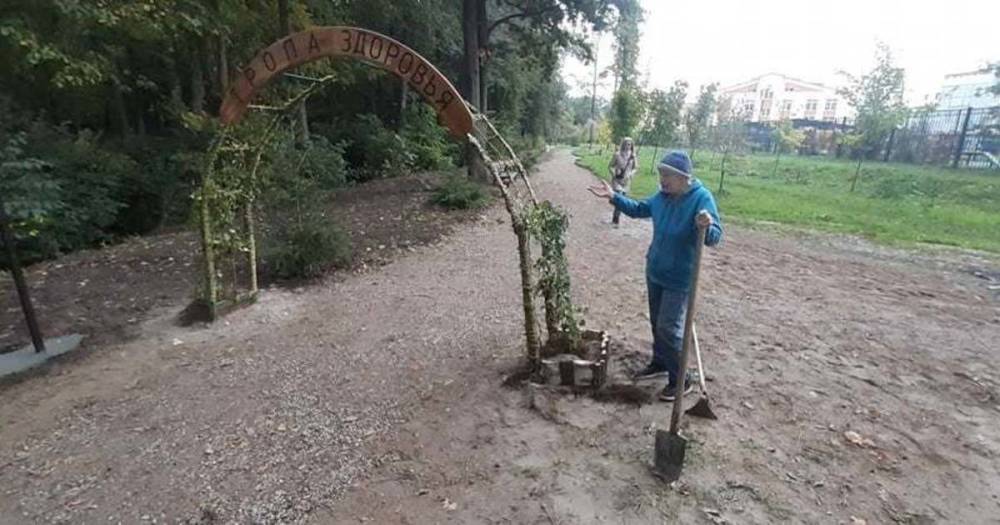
704 219
602 190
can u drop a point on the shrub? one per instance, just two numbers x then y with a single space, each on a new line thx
309 250
298 241
459 193
83 190
426 140
372 150
317 164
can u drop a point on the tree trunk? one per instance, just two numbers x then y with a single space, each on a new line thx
284 26
284 29
119 113
483 33
303 123
777 158
470 38
527 292
857 173
593 95
176 92
404 94
197 78
722 178
223 67
470 76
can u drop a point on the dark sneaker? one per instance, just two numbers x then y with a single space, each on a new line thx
670 392
650 372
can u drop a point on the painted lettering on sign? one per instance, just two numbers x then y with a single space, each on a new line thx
369 47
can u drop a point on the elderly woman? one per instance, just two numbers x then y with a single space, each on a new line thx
622 167
681 206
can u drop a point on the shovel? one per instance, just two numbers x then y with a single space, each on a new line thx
668 454
703 408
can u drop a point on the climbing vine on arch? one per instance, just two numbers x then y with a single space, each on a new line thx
547 223
237 159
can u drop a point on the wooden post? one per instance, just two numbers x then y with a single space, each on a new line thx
527 291
7 235
251 247
210 291
523 250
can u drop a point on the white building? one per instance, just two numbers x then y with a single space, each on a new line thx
774 97
968 90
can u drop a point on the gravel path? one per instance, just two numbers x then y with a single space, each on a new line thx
383 386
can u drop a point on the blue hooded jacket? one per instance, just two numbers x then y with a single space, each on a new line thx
670 258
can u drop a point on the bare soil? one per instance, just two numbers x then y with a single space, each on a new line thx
854 383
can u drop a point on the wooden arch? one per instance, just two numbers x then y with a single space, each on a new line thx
349 42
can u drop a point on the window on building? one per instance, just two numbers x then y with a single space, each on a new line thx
831 104
767 94
786 109
811 106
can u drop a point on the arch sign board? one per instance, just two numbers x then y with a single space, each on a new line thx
359 44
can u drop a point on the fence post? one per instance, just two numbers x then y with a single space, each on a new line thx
888 146
961 138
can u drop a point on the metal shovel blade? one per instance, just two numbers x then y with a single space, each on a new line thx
702 409
669 456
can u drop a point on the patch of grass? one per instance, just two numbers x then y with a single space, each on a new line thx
893 203
459 193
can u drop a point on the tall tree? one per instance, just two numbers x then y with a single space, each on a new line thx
548 24
877 98
729 135
285 28
627 35
700 116
626 112
665 110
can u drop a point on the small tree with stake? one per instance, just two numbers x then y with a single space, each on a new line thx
730 136
665 117
786 139
877 97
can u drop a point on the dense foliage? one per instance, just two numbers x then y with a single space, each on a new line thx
107 106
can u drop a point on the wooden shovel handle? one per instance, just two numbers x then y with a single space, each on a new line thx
675 418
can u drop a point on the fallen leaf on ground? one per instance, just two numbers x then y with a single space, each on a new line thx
449 505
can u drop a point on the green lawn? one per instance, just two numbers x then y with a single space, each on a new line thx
893 203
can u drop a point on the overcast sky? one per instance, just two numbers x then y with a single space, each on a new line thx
728 41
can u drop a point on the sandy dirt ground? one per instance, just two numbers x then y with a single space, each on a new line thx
854 383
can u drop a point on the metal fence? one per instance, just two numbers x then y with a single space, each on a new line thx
956 138
960 137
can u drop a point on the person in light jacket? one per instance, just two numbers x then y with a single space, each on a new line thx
622 168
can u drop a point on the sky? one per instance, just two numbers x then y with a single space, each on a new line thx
728 41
